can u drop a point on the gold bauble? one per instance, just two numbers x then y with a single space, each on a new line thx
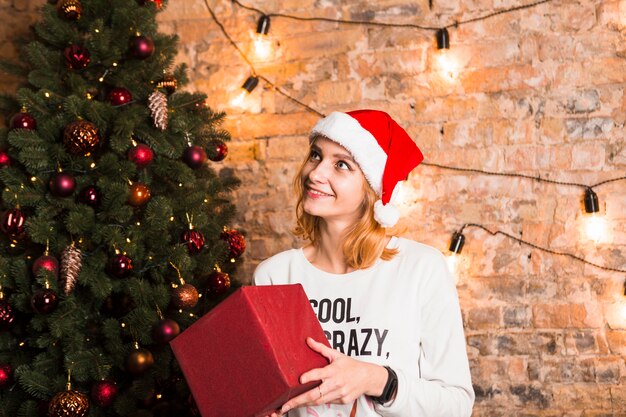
139 361
139 194
184 297
81 137
169 83
69 403
69 9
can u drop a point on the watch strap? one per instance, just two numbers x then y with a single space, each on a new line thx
390 387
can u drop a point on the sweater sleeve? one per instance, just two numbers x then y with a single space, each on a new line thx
262 274
443 387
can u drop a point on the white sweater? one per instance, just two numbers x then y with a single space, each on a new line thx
403 313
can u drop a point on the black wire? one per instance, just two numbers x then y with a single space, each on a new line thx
254 73
395 25
232 42
311 109
487 16
327 19
532 245
530 177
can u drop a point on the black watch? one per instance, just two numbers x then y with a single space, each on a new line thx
390 387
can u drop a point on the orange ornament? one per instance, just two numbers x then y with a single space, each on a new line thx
139 194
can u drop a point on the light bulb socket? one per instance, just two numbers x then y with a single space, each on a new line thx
250 83
263 25
591 201
456 245
443 39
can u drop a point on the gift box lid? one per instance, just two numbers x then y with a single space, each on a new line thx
244 357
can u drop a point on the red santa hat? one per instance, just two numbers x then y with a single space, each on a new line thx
384 151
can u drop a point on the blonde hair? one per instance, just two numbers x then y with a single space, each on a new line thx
363 243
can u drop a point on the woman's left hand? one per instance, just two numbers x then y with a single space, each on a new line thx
343 380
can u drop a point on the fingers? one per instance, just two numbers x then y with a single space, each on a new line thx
314 396
321 348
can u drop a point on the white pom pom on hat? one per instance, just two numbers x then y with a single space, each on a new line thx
384 151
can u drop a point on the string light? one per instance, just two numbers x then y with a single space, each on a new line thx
446 62
456 244
595 225
248 86
261 40
455 248
448 65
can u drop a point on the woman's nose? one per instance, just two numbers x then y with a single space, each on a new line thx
319 173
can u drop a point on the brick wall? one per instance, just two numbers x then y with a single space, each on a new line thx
539 92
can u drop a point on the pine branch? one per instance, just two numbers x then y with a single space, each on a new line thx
34 383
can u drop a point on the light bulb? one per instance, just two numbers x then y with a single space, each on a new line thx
595 227
239 99
248 86
453 263
263 46
447 64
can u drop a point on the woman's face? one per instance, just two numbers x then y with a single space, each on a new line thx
333 184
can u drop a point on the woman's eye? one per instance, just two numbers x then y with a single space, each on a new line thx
314 155
342 165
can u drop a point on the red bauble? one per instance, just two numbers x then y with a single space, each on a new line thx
139 361
47 262
103 393
119 96
165 330
6 379
23 120
76 57
236 243
139 194
217 150
194 156
13 222
194 240
6 315
5 159
90 196
62 185
184 297
141 155
44 301
141 47
218 283
120 266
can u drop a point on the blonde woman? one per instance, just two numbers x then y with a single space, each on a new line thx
388 305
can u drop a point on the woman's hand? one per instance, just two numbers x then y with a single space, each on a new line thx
343 380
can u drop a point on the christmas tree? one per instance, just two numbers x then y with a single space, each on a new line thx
114 223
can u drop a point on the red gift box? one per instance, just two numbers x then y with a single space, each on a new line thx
244 358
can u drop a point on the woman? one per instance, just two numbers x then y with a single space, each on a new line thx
388 305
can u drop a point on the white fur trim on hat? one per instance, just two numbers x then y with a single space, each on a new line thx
347 132
387 215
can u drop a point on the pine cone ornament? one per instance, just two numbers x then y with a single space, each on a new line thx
71 263
157 103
